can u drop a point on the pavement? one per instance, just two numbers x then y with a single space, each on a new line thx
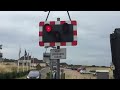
44 71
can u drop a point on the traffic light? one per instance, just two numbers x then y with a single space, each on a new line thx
47 28
58 33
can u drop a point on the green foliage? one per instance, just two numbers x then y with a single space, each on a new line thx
48 75
63 76
12 75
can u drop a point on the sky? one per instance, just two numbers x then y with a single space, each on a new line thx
21 29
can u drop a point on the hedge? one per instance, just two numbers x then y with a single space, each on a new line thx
12 75
48 75
62 76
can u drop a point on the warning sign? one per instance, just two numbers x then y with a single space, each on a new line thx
58 53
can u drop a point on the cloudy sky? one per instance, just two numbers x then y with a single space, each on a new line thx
21 28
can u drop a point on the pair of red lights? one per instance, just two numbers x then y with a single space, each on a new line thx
48 27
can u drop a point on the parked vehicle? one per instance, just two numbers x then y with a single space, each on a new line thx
74 68
34 74
68 67
81 68
84 72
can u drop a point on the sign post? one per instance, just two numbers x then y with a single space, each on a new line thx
58 66
57 54
58 61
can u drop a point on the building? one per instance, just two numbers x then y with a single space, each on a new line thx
115 51
46 58
102 74
43 64
26 60
35 62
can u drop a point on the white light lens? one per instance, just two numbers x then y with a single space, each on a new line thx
37 77
27 77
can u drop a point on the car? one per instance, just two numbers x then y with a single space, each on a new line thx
82 71
74 68
34 74
79 69
68 67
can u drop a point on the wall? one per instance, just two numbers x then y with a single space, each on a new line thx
102 75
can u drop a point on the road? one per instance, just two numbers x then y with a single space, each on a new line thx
44 71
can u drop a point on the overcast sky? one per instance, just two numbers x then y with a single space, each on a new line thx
21 28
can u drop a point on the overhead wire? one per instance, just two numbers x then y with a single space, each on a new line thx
49 14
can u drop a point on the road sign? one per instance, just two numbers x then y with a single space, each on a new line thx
58 53
58 33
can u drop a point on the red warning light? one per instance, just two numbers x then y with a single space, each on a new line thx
48 28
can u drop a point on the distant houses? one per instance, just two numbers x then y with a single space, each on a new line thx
34 61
